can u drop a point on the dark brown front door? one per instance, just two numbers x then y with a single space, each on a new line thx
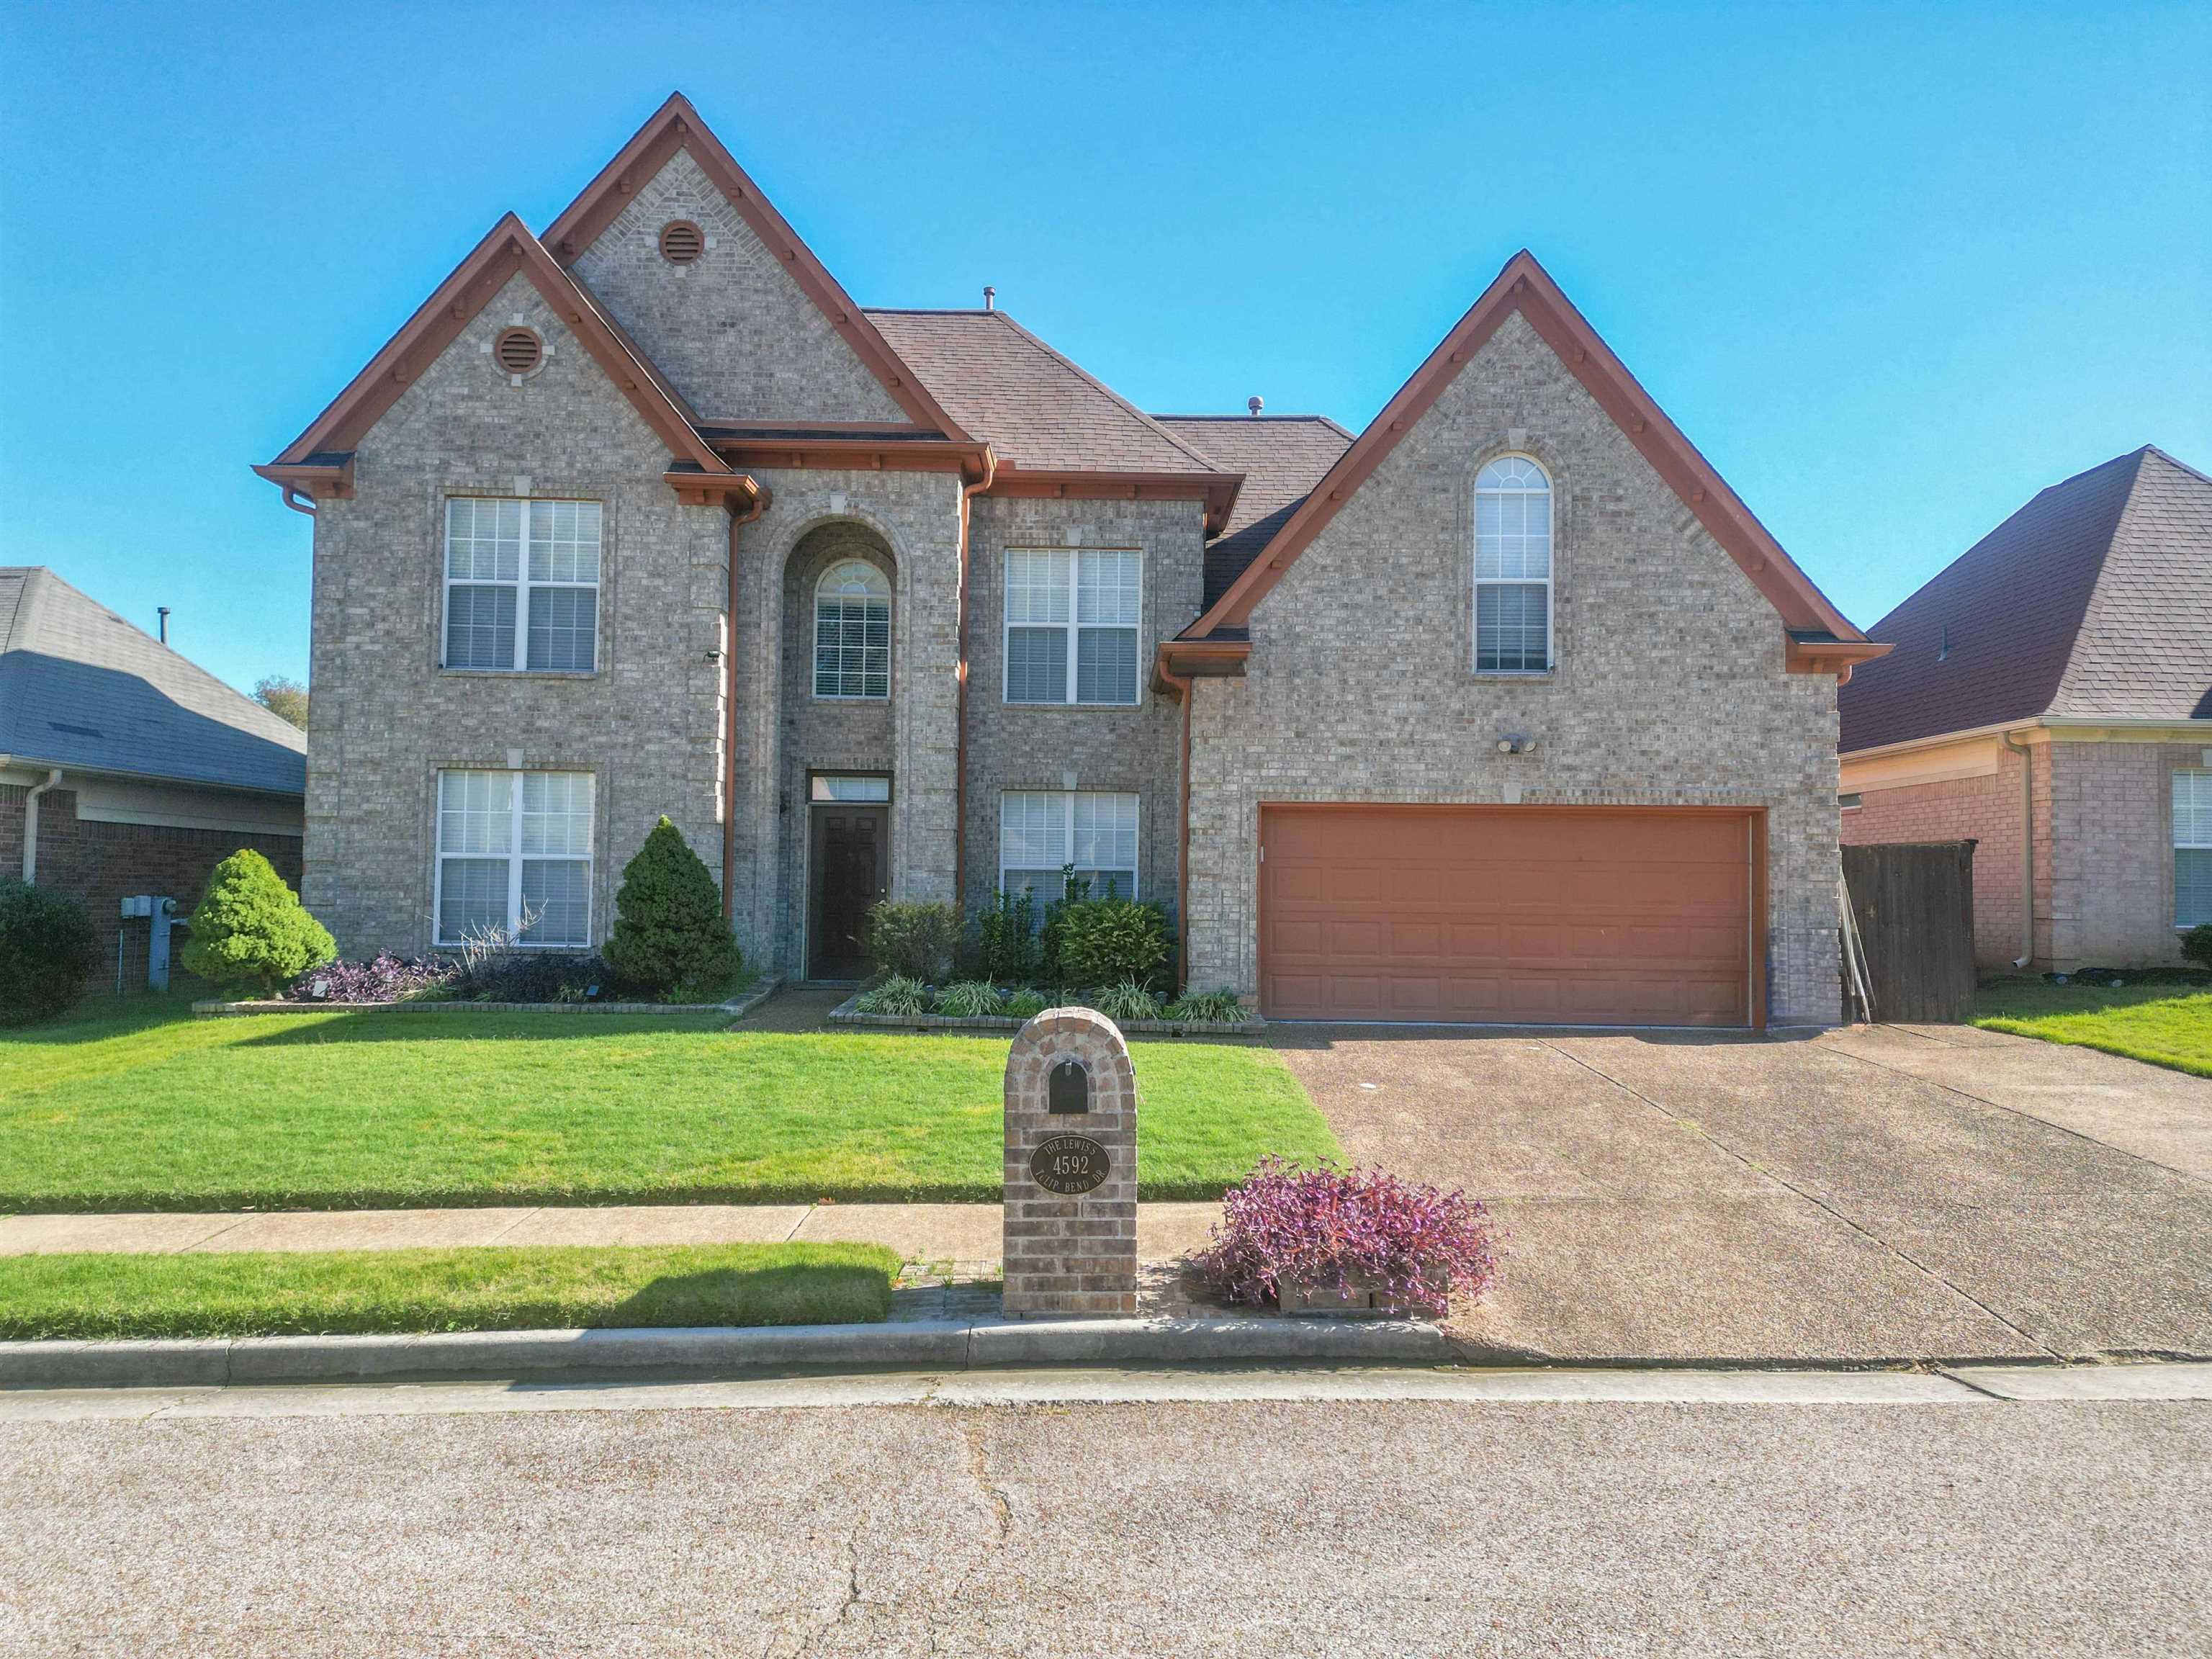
849 867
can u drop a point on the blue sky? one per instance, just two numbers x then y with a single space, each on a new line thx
1893 268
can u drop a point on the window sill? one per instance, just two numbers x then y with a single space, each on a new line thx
519 673
1520 676
1069 707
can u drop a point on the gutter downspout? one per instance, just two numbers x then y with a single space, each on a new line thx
31 824
967 493
292 498
730 712
2027 849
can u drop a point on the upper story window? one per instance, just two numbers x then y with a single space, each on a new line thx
1512 567
2192 847
1073 617
853 633
522 584
515 856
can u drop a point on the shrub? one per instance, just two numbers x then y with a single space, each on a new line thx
1218 1005
46 951
669 927
969 999
2196 944
508 974
1128 1001
912 939
1346 1231
1005 947
385 978
1025 1003
251 929
898 994
1108 941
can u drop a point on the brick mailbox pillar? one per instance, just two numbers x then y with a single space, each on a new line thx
1070 1171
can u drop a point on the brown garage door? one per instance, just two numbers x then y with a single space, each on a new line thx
1629 917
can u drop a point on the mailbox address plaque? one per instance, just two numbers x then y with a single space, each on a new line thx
1069 1165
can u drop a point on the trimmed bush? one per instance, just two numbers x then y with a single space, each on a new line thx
912 939
669 929
46 951
896 995
1221 1007
250 929
1004 946
1025 1003
1128 1001
1109 941
2196 944
969 999
1346 1231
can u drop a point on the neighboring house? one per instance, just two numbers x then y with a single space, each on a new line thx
2049 698
124 768
643 514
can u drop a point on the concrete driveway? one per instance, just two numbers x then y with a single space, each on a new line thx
1885 1193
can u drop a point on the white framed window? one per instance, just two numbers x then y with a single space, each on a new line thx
522 584
1512 567
515 853
1072 617
1041 831
2192 846
853 633
859 790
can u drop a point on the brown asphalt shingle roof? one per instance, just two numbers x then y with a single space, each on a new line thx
1037 409
1282 458
2093 601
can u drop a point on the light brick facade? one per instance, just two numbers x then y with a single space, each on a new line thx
1670 688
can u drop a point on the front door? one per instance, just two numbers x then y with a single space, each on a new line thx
849 866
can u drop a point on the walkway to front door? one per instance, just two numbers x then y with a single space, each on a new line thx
849 866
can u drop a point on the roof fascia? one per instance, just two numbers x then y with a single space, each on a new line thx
1218 489
508 248
1523 285
860 453
675 125
2031 728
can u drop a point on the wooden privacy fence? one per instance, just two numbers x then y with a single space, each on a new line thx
1914 905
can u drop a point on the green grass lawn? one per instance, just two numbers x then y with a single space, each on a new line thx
269 1293
134 1105
2165 1025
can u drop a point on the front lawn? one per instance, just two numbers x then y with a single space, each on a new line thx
270 1293
2164 1023
134 1105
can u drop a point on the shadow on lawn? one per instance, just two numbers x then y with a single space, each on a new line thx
814 1293
467 1025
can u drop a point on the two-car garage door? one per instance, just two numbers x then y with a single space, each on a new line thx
1631 916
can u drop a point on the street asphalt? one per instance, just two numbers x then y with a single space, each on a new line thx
1277 1527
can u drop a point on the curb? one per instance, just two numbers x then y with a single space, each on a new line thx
736 1008
924 1343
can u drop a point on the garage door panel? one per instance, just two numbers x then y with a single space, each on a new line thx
1614 916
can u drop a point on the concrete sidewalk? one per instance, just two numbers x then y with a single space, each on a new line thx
956 1233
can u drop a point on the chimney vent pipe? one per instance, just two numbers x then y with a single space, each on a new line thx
990 297
1255 403
162 625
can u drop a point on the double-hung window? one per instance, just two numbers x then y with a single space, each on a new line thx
514 855
1072 624
2192 846
522 584
1512 567
1042 831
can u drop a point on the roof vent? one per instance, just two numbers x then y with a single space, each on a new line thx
682 242
1255 403
990 297
518 351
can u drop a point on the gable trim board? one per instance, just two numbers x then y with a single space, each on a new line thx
321 456
675 125
1819 639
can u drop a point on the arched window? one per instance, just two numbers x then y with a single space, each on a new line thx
853 632
1512 567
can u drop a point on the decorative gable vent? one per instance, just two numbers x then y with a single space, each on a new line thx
682 242
518 351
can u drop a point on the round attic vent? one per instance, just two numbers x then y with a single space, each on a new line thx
518 351
682 242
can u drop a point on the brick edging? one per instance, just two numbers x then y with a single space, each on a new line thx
845 1014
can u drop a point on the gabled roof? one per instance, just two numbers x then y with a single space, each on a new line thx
475 282
1282 458
1037 410
1816 626
675 125
2089 603
82 689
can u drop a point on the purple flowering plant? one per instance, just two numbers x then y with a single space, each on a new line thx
386 978
1345 1230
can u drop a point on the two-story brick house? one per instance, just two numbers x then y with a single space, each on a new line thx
644 514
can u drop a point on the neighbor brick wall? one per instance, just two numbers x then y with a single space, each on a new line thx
2111 806
1669 690
102 863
